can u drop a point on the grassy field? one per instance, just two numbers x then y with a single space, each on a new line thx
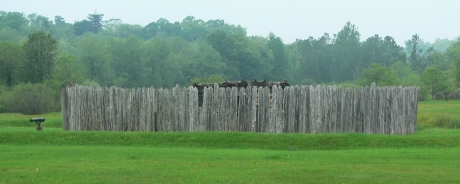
54 156
441 114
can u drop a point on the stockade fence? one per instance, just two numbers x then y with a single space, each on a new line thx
302 109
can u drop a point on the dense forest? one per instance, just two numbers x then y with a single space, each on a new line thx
39 54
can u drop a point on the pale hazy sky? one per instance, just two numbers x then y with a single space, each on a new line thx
288 19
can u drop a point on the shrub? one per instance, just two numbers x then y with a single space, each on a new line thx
3 90
90 83
424 93
439 96
28 99
446 121
454 95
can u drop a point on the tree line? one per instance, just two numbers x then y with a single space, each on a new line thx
38 51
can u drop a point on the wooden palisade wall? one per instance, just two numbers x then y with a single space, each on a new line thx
302 109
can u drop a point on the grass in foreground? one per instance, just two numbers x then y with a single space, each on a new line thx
117 164
55 156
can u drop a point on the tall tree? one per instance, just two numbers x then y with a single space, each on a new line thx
381 75
435 80
193 29
96 22
415 54
157 54
346 62
11 55
81 27
59 21
281 65
453 56
392 51
128 62
93 52
39 21
457 72
40 50
315 60
384 51
228 47
206 62
13 20
67 68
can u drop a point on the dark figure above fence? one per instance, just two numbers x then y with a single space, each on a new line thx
238 85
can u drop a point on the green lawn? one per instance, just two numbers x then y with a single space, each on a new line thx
430 155
119 164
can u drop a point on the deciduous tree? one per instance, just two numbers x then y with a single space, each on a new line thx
415 54
40 50
281 65
435 80
381 75
11 55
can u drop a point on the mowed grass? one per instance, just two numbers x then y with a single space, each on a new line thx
117 164
430 155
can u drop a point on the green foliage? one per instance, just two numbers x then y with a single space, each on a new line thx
446 121
214 78
59 21
40 51
383 51
94 54
307 82
134 72
281 66
157 53
29 99
3 91
381 75
436 81
229 47
453 55
206 61
439 114
13 20
441 45
415 54
192 29
457 72
68 69
11 35
349 84
90 83
313 59
163 53
11 55
81 27
346 55
96 22
39 22
402 70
